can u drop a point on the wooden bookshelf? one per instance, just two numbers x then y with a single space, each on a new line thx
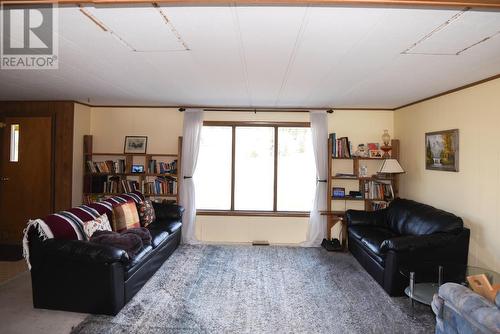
92 178
361 181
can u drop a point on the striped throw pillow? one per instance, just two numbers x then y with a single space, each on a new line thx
125 216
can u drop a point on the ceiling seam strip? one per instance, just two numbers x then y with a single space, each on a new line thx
477 43
171 25
291 60
439 28
241 52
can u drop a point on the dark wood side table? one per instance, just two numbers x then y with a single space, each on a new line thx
332 218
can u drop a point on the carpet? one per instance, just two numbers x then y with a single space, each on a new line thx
11 252
245 289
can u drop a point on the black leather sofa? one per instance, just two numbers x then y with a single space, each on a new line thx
82 276
405 233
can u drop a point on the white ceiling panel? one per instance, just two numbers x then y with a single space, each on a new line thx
252 56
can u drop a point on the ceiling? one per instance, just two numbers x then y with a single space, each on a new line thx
251 56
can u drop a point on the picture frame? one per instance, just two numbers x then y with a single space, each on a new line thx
377 154
137 169
135 145
338 192
442 150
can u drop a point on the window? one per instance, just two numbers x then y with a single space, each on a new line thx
14 143
213 171
255 167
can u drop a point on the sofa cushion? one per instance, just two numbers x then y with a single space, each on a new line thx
359 231
408 217
159 233
125 216
373 238
139 256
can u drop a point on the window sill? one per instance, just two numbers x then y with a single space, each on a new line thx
252 213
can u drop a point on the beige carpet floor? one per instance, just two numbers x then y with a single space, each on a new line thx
17 315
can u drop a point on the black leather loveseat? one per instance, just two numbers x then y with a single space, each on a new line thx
82 276
404 233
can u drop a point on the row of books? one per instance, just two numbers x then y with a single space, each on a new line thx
162 167
379 205
341 147
107 166
379 190
115 185
164 185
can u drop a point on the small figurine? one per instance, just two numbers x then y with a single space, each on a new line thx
361 151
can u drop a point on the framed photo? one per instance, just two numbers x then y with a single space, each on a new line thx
338 192
441 150
375 154
137 168
135 144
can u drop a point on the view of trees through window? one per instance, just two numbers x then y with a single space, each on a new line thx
273 168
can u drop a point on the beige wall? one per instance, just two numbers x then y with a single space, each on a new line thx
361 126
474 192
109 126
81 127
162 126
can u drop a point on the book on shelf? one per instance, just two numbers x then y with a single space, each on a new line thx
341 147
117 186
379 205
108 166
379 190
346 175
162 185
161 167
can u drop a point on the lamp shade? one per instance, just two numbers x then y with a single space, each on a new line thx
391 166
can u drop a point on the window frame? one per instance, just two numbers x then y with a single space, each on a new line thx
256 213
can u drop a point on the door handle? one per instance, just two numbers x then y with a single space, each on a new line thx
4 178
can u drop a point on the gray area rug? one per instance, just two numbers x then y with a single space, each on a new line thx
245 289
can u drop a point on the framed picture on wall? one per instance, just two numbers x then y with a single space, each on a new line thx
441 150
135 144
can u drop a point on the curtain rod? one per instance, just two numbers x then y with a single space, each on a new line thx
330 111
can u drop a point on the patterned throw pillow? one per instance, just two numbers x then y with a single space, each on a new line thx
101 223
146 212
125 216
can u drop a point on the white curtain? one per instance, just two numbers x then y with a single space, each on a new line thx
316 229
191 135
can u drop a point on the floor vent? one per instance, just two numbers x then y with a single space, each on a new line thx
260 243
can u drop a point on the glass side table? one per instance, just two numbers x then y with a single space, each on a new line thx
425 278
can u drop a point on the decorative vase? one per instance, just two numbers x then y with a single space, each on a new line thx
386 138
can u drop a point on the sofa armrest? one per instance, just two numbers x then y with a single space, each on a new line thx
359 217
471 306
414 242
165 211
83 251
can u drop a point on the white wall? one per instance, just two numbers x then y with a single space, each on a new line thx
474 192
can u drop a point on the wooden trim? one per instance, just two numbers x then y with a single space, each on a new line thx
233 164
252 213
410 3
258 123
450 91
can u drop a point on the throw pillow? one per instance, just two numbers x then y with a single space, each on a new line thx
125 216
146 212
101 223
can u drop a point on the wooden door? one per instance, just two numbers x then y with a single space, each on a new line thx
25 173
